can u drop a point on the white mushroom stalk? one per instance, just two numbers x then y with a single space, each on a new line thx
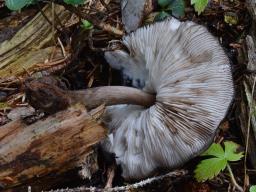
188 71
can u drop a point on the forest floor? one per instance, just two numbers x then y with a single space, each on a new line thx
228 20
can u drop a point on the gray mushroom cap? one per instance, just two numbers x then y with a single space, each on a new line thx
187 69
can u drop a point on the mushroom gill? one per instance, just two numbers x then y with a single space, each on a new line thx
188 71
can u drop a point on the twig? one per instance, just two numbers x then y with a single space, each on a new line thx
62 48
90 43
104 4
110 176
51 64
110 29
93 20
41 11
233 180
59 22
177 173
53 20
7 89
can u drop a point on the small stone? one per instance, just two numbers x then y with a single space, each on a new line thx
20 112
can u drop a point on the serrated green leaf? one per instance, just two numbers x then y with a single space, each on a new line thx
86 24
74 2
215 150
231 151
209 168
199 5
164 3
161 16
253 188
15 5
178 8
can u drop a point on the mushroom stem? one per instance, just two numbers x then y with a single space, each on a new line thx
111 95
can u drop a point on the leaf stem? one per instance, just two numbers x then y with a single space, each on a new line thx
233 180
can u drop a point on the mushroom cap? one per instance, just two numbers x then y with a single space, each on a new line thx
187 69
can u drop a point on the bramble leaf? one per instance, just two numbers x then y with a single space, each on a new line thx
161 16
86 24
230 151
214 150
178 8
199 5
253 188
209 168
15 5
74 2
163 3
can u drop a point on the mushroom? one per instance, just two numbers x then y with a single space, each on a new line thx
188 71
183 89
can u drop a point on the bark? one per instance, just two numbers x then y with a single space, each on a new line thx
32 45
56 144
247 105
246 108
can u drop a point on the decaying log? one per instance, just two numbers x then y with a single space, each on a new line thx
246 107
56 144
32 44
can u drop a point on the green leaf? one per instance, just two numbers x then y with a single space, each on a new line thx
231 151
253 188
86 24
161 16
74 2
15 5
178 8
209 168
164 3
199 5
214 150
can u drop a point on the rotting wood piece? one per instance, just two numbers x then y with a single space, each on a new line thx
248 98
247 104
32 44
59 143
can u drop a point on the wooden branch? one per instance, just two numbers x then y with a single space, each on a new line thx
56 144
